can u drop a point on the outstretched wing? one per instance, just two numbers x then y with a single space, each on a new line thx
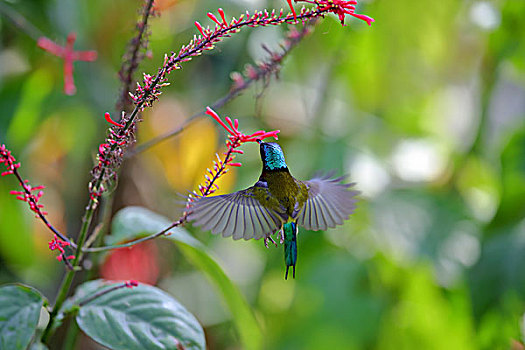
250 213
329 203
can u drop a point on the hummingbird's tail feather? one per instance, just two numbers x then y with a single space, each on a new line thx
286 273
290 246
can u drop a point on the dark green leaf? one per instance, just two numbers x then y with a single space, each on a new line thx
134 222
19 313
143 317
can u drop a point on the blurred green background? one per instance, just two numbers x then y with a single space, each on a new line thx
424 110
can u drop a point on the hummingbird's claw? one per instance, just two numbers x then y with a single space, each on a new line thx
269 238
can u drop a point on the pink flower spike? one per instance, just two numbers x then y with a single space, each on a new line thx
214 19
199 27
221 13
111 121
235 164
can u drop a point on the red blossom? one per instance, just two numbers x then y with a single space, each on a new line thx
342 8
235 140
69 56
236 137
8 160
291 7
110 153
64 257
30 194
111 121
58 244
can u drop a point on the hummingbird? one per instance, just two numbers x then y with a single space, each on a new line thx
276 203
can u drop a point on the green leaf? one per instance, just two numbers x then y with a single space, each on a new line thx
134 222
19 313
143 317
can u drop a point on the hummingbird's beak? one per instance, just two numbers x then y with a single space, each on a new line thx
259 141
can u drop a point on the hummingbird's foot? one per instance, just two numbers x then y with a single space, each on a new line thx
270 239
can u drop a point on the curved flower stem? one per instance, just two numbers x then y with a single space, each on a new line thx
133 56
26 195
40 214
68 279
271 66
137 241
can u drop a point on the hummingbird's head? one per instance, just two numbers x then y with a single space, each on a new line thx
272 156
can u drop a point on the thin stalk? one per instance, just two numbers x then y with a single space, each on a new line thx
68 279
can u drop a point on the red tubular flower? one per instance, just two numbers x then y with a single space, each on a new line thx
221 13
69 56
58 244
201 30
107 116
342 8
29 194
234 132
291 7
110 153
8 160
64 257
235 139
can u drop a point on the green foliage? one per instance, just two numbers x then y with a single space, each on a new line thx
427 263
19 313
144 317
134 222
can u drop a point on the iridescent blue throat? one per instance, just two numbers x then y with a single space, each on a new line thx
272 156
